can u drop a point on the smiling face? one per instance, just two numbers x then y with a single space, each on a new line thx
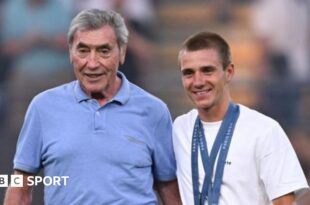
206 82
96 56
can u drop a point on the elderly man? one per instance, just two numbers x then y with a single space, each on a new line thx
109 137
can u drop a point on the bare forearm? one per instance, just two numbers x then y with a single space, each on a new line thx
169 192
17 196
287 199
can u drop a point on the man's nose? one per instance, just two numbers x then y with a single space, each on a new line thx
198 79
93 61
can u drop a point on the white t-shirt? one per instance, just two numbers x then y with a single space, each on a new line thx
261 164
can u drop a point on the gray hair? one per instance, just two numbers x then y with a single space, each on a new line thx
92 19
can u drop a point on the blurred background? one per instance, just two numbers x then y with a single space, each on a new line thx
270 41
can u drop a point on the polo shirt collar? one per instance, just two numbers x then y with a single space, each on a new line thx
122 95
79 93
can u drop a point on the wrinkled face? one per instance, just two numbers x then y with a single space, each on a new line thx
204 78
96 56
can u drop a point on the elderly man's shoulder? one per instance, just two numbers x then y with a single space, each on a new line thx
142 96
55 94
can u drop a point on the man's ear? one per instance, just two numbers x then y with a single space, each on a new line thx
70 57
230 72
123 50
70 54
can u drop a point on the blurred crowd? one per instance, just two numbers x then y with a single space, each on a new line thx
282 28
34 57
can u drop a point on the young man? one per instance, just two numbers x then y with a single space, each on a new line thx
111 138
226 153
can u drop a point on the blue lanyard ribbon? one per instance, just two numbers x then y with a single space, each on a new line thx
210 191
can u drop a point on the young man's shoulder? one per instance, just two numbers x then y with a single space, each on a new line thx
253 118
186 119
248 116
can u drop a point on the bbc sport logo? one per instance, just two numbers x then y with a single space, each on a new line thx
18 180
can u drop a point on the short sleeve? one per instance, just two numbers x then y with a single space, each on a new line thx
279 168
28 152
164 166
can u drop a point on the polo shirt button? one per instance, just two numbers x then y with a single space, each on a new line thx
98 113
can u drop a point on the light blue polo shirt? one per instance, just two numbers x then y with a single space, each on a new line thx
111 153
